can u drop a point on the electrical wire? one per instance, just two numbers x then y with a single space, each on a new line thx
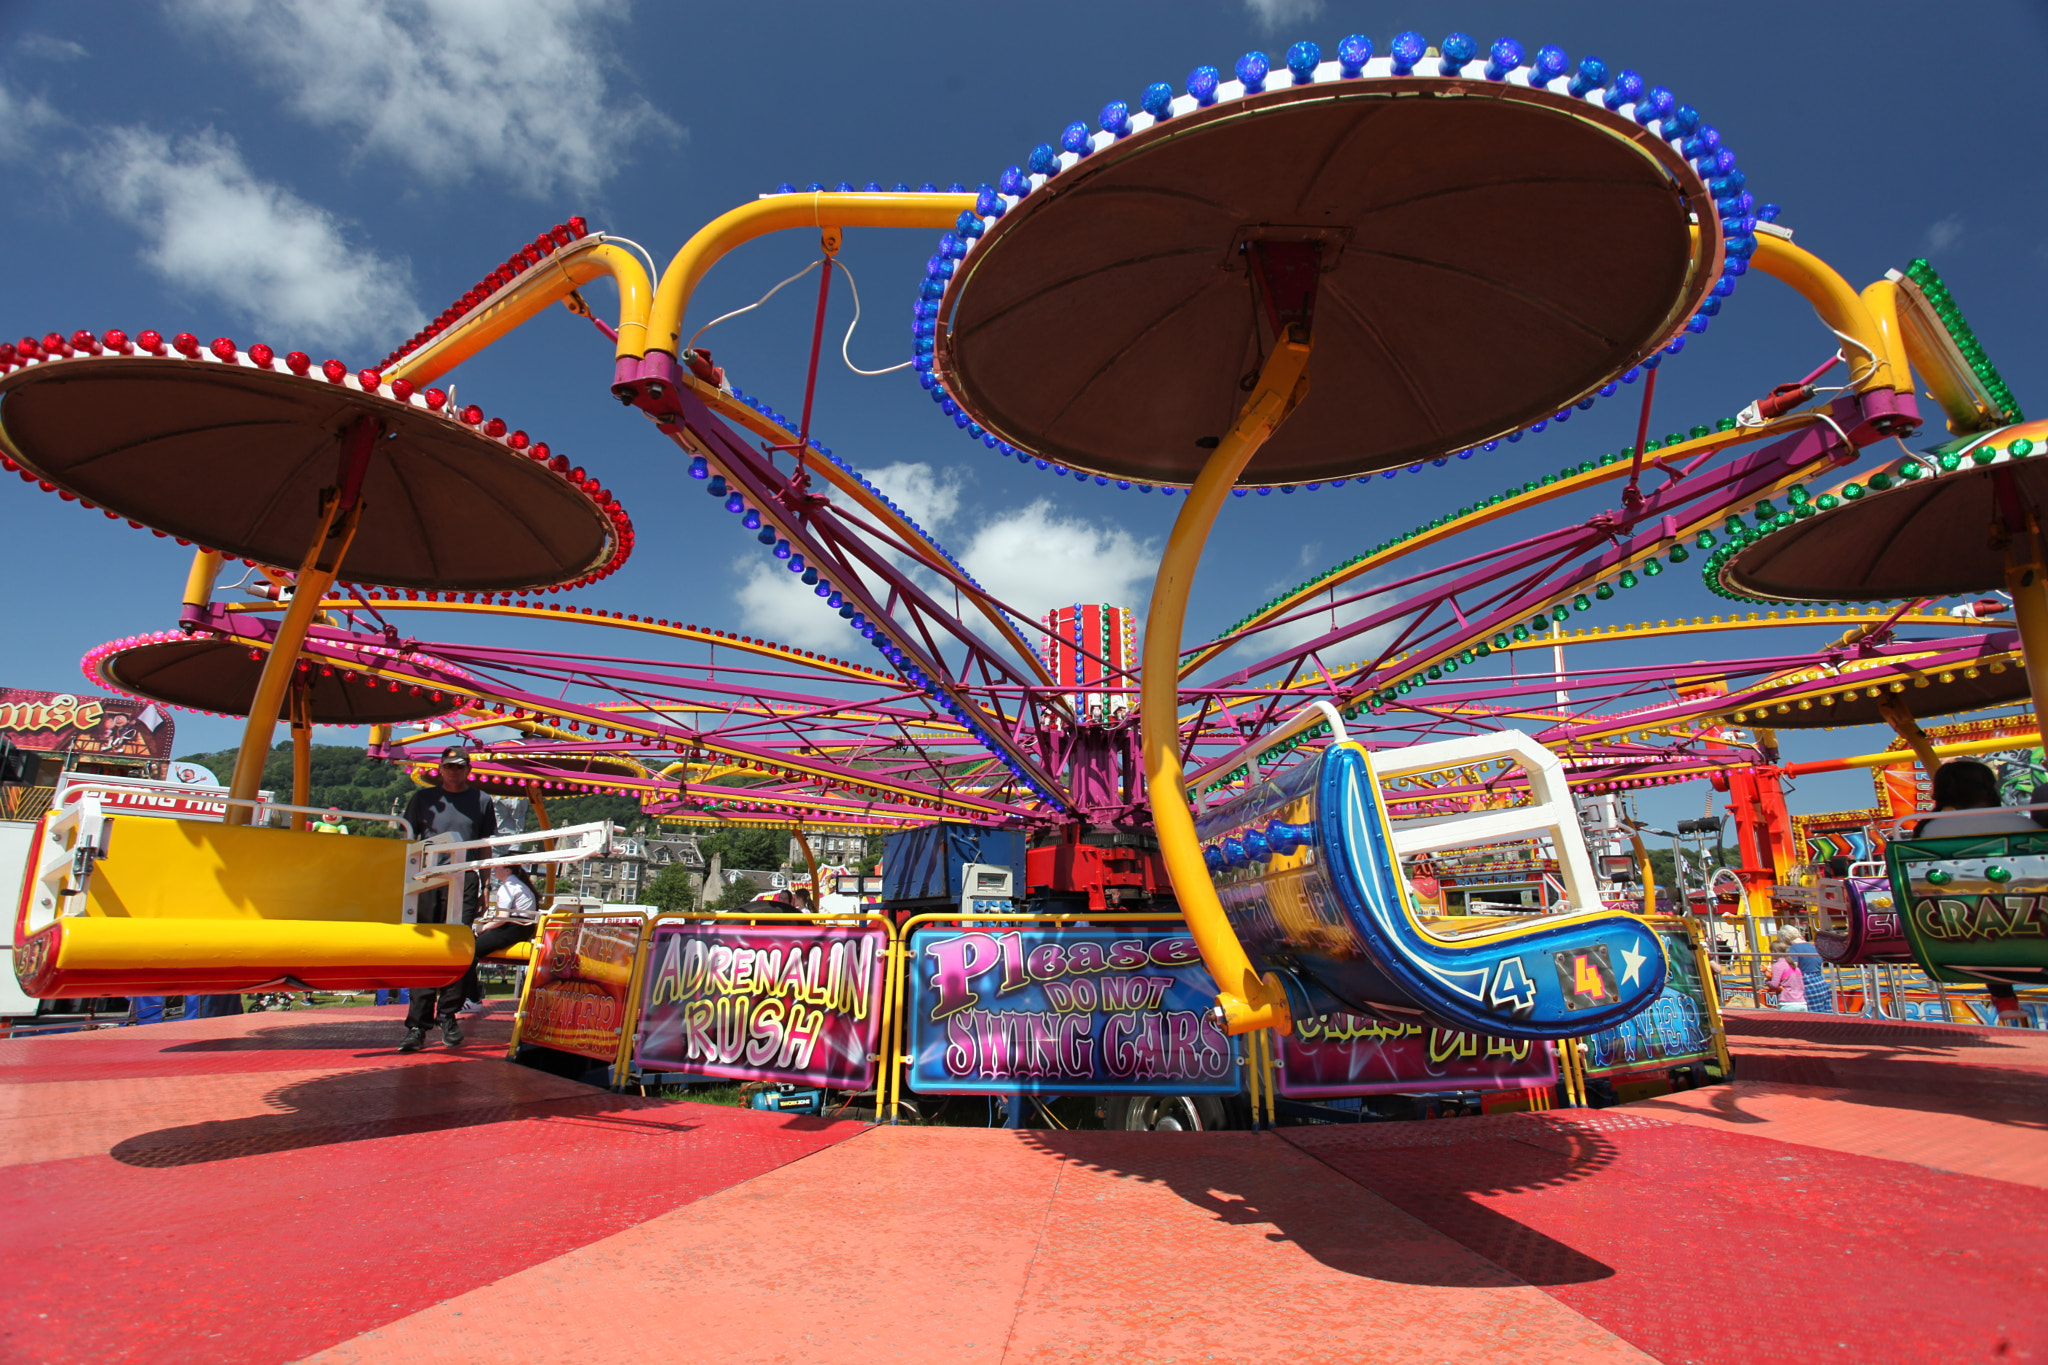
848 339
750 307
653 270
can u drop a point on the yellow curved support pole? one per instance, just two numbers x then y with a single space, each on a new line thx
338 518
1864 345
1248 1002
1881 297
1902 722
774 213
199 580
532 294
302 753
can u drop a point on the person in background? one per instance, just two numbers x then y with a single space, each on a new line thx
454 807
330 822
1820 996
513 917
1786 984
1966 784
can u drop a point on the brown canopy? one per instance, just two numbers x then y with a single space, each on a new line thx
1490 253
205 673
1931 537
233 456
1830 702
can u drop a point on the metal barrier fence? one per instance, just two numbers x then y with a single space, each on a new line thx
1899 991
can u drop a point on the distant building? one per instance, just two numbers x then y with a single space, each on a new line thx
620 878
842 849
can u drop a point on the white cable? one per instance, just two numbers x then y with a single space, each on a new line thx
750 307
653 271
848 339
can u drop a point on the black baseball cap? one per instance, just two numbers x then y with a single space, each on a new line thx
454 758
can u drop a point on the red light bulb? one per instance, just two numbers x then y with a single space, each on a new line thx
86 341
223 349
334 370
435 399
473 414
401 389
520 440
186 344
298 362
578 228
495 427
369 379
262 355
152 341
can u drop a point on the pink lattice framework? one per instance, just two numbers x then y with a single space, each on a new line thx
1093 649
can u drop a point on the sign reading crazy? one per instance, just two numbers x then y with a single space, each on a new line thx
795 1003
1050 1011
576 1000
1355 1054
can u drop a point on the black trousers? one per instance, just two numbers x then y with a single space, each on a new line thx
448 1000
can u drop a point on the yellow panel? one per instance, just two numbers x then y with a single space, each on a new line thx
191 869
82 956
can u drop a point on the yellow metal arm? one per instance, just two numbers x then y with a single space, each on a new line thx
1248 1001
773 214
531 294
1864 344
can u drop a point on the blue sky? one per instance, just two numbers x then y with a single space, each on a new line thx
323 176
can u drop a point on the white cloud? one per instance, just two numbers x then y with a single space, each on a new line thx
515 88
21 118
48 48
1272 14
210 225
1035 559
929 497
1945 233
777 606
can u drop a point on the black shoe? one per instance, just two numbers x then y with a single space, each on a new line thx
415 1039
451 1031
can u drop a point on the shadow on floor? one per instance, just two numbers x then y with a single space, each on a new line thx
366 1103
1245 1178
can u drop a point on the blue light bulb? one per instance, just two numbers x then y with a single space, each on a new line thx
752 520
1550 63
1407 49
860 622
1076 140
1625 89
989 204
1506 55
1654 105
1352 55
843 187
700 468
1458 49
1720 163
1769 213
1115 118
872 187
735 503
785 188
1681 122
1202 83
1157 100
810 574
836 600
1701 144
782 550
816 187
1591 75
716 488
1252 69
1302 60
1014 182
1044 159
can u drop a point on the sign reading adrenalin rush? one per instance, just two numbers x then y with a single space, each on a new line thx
576 998
88 726
1046 1012
1355 1054
793 1003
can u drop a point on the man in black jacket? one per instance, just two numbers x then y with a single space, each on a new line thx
450 807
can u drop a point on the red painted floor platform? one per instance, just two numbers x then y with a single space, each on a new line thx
286 1186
